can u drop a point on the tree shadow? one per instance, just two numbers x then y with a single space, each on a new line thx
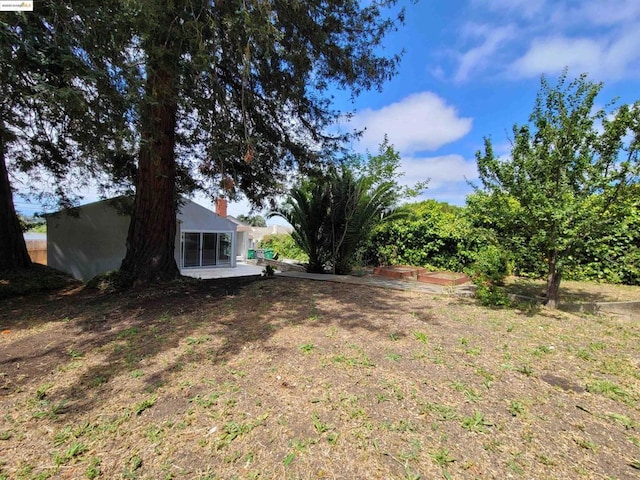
570 292
132 329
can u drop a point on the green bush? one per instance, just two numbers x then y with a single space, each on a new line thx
284 245
612 256
491 265
488 272
491 296
435 235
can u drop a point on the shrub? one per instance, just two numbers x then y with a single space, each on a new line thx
491 296
285 246
434 235
491 265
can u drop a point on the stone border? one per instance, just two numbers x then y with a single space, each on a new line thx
630 308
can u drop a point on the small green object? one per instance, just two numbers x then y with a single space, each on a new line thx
268 254
251 254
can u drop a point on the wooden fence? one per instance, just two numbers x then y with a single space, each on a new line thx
37 251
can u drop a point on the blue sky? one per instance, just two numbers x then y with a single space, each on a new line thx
471 68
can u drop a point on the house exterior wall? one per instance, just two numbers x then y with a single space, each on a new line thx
242 245
196 218
88 244
94 240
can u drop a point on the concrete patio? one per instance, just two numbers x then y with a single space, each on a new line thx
245 270
241 270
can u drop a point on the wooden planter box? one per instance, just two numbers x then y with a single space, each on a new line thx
399 271
444 278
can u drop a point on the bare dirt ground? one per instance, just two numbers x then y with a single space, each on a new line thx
287 378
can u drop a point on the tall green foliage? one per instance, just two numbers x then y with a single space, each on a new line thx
357 206
432 234
333 214
612 255
500 219
284 245
306 209
566 173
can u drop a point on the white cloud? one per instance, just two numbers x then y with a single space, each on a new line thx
419 122
553 54
597 57
603 12
523 8
478 58
526 38
441 170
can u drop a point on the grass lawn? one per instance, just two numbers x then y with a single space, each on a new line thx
574 292
284 378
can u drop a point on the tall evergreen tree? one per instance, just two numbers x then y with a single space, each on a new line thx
229 96
240 86
53 124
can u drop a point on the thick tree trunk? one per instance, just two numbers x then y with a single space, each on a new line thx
151 238
553 281
13 249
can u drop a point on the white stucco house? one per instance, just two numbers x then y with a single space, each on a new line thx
249 237
91 239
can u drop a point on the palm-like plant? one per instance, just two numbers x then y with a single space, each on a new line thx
358 205
333 215
305 209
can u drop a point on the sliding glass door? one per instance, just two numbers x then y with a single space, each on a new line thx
190 249
224 257
204 249
209 249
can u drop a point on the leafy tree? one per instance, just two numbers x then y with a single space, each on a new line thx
32 224
499 219
384 166
333 213
225 96
253 220
567 171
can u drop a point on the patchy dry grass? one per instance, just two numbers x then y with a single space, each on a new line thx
284 378
574 292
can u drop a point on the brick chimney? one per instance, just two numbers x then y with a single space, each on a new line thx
221 207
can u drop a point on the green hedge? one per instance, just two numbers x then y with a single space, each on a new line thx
436 236
439 236
284 246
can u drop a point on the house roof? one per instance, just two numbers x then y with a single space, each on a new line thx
124 203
